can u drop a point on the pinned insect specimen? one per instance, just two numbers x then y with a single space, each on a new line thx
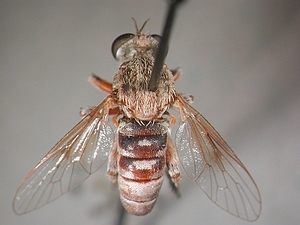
140 149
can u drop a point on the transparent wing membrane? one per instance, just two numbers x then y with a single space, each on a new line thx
81 152
214 167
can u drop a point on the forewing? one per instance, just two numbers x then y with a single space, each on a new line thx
214 167
81 152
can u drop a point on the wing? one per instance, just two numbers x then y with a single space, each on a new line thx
214 167
81 152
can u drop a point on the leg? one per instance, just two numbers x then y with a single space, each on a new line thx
176 73
86 110
172 119
100 83
112 167
172 162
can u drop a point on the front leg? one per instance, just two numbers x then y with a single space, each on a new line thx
100 83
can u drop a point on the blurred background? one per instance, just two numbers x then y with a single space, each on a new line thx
240 60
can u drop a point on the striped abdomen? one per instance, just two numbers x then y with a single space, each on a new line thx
141 163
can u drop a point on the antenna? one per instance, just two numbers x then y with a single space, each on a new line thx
138 31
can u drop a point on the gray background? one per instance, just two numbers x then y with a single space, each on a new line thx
240 61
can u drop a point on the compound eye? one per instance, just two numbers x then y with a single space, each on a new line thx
118 42
158 39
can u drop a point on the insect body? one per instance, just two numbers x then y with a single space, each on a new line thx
142 149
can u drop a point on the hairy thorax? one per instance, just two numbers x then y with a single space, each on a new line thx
130 87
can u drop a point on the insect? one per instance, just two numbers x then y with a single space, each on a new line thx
140 150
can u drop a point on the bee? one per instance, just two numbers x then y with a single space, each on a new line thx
140 149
